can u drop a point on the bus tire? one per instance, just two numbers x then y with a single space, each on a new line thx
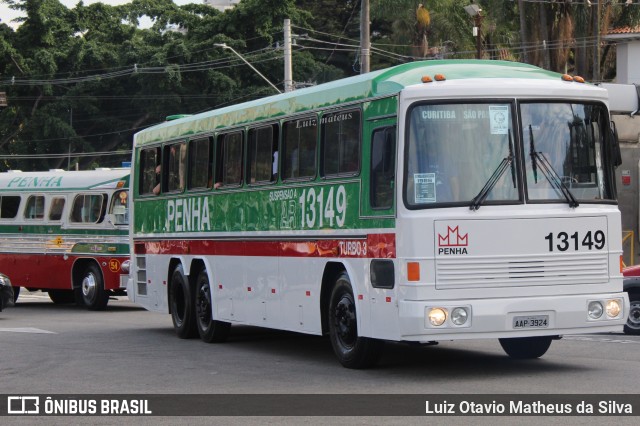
526 347
182 305
16 293
61 297
210 330
633 320
351 350
92 294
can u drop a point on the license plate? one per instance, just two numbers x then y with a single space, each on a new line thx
536 321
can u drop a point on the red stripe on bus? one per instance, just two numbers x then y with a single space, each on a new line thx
374 246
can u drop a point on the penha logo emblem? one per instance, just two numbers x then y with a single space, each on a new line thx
453 242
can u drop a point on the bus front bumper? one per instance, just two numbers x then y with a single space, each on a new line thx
512 317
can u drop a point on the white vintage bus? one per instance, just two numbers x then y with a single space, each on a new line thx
66 233
437 200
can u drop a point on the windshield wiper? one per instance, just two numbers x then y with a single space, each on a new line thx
548 171
495 176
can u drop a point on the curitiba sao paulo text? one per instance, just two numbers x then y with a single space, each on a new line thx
521 407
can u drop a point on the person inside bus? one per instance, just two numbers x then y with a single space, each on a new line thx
156 189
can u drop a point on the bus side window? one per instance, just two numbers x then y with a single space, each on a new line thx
88 208
341 143
176 156
300 138
9 205
120 207
383 152
262 154
35 207
229 160
149 164
200 158
55 211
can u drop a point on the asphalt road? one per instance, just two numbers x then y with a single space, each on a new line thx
58 349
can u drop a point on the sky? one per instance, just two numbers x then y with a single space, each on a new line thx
6 14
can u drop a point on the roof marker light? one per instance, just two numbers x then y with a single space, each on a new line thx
578 79
440 77
426 79
567 77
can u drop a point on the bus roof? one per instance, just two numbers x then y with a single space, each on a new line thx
17 181
374 84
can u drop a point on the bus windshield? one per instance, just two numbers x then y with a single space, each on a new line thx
569 137
465 153
455 149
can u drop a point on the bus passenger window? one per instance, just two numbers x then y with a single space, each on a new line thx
200 158
149 178
341 142
300 140
262 155
176 158
383 152
229 160
35 207
89 208
9 205
55 211
120 207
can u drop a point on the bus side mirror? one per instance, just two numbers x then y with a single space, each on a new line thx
616 155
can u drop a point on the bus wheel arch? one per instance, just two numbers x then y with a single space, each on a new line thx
181 301
88 285
352 350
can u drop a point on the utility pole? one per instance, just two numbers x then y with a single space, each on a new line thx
365 41
288 71
596 59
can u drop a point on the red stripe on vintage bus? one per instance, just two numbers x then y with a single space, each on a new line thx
374 246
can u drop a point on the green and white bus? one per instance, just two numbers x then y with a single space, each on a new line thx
430 201
66 233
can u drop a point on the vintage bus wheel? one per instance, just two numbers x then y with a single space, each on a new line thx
60 297
210 330
16 293
633 320
526 347
352 350
182 305
92 292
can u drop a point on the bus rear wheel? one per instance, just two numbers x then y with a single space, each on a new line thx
181 302
91 293
210 330
352 350
526 347
61 297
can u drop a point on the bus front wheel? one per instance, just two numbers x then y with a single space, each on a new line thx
92 294
526 347
210 330
633 320
352 350
182 305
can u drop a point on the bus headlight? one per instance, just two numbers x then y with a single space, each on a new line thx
595 309
459 316
613 308
125 266
437 316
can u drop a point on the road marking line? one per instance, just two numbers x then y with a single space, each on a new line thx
27 330
601 339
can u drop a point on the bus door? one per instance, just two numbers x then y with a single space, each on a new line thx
377 201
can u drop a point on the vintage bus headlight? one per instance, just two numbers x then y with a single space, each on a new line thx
595 309
125 266
437 316
459 316
613 308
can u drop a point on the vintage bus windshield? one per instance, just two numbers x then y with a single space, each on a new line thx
570 137
454 149
457 151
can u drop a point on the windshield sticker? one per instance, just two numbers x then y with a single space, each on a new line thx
425 187
499 119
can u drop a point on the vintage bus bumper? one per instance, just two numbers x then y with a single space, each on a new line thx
511 317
